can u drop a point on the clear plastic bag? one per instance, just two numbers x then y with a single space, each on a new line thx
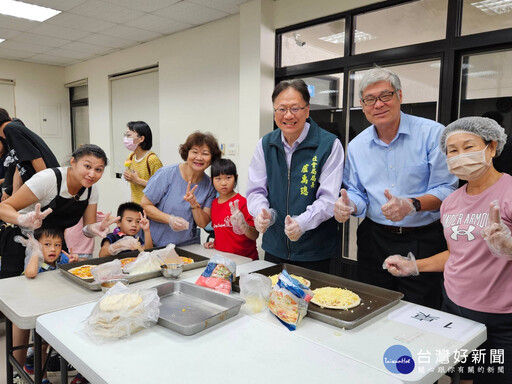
218 274
146 262
168 255
108 271
121 312
289 300
255 290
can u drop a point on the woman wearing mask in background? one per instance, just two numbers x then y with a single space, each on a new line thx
142 163
477 219
178 199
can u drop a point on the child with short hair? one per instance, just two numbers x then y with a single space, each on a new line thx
132 220
43 253
232 223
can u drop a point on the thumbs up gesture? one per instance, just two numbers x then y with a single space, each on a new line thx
237 218
343 207
265 219
496 234
397 207
292 228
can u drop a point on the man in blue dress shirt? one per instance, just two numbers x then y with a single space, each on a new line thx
396 177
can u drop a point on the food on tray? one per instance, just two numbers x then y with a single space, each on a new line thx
120 302
284 307
186 260
83 272
335 298
302 280
127 260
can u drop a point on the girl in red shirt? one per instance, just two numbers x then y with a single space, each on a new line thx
231 221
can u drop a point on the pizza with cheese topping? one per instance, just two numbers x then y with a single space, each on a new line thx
301 280
127 260
186 260
83 271
335 298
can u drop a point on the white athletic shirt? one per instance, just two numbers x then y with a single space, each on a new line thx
44 185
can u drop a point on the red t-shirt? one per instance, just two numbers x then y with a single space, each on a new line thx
225 239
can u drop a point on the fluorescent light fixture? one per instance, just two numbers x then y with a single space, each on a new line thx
26 11
493 7
482 74
2 40
339 38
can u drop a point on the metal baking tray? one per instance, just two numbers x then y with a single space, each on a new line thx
374 300
188 308
199 261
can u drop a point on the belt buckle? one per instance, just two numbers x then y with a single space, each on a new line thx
400 230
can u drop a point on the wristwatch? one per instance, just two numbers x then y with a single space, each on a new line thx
416 203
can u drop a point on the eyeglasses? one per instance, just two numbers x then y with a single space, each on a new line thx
293 110
371 100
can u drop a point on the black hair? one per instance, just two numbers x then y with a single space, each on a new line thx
129 206
141 128
298 84
5 145
223 167
4 116
90 149
51 232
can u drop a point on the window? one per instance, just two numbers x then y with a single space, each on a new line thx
79 102
486 15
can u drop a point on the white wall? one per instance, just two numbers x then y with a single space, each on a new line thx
41 86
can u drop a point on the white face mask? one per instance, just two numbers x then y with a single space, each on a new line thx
469 166
129 144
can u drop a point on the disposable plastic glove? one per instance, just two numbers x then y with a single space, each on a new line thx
265 219
343 207
178 224
32 248
497 235
100 229
34 219
292 228
397 207
237 218
401 266
127 243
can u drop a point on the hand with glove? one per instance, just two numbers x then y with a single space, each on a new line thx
497 235
34 219
401 266
127 243
292 228
237 219
34 257
100 229
177 223
397 207
265 219
343 207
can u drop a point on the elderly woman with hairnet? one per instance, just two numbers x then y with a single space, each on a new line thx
477 219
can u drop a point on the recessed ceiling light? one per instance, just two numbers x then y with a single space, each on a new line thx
493 6
26 11
2 40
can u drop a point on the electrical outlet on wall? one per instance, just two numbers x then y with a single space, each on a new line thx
232 149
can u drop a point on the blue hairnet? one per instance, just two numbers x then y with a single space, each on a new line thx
487 129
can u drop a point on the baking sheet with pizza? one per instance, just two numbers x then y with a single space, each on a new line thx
79 272
374 300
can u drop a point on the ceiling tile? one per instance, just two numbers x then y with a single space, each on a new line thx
190 13
59 32
28 37
61 5
86 48
6 53
106 11
229 6
84 23
146 5
131 33
6 33
108 41
53 60
159 24
27 47
16 23
68 53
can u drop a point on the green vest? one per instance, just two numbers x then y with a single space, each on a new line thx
290 193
